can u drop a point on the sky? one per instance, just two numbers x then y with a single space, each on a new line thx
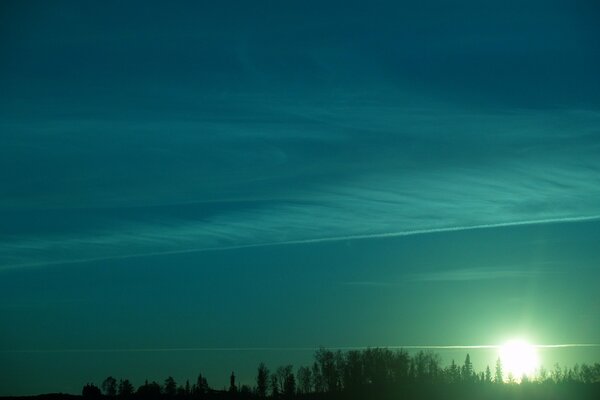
195 187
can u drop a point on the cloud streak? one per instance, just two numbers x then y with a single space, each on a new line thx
474 274
461 275
311 175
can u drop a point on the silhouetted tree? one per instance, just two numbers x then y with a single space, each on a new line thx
353 373
498 376
557 374
125 389
283 373
327 369
543 375
419 364
274 386
480 377
595 373
170 387
586 374
149 391
400 366
453 372
375 365
201 387
467 370
289 385
510 378
262 381
232 386
245 392
434 366
317 378
377 374
109 386
304 380
91 391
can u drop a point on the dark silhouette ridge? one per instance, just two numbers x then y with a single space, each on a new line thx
375 373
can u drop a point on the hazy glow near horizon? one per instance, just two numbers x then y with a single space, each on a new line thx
519 358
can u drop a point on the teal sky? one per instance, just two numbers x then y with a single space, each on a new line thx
196 187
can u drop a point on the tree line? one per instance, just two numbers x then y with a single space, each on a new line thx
370 373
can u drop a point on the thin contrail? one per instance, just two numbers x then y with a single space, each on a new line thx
305 348
315 240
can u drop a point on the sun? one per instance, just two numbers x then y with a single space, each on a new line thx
518 358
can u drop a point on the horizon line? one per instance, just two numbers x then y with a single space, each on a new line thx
298 348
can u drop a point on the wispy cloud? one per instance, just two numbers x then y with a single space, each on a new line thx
359 172
368 283
459 275
476 274
119 241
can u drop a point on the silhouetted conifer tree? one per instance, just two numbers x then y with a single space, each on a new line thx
454 372
467 370
232 386
170 387
201 387
498 376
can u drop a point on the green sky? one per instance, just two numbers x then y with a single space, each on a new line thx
199 187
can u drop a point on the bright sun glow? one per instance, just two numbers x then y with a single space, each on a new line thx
518 358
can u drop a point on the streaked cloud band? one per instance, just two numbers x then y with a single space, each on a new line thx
472 276
374 180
